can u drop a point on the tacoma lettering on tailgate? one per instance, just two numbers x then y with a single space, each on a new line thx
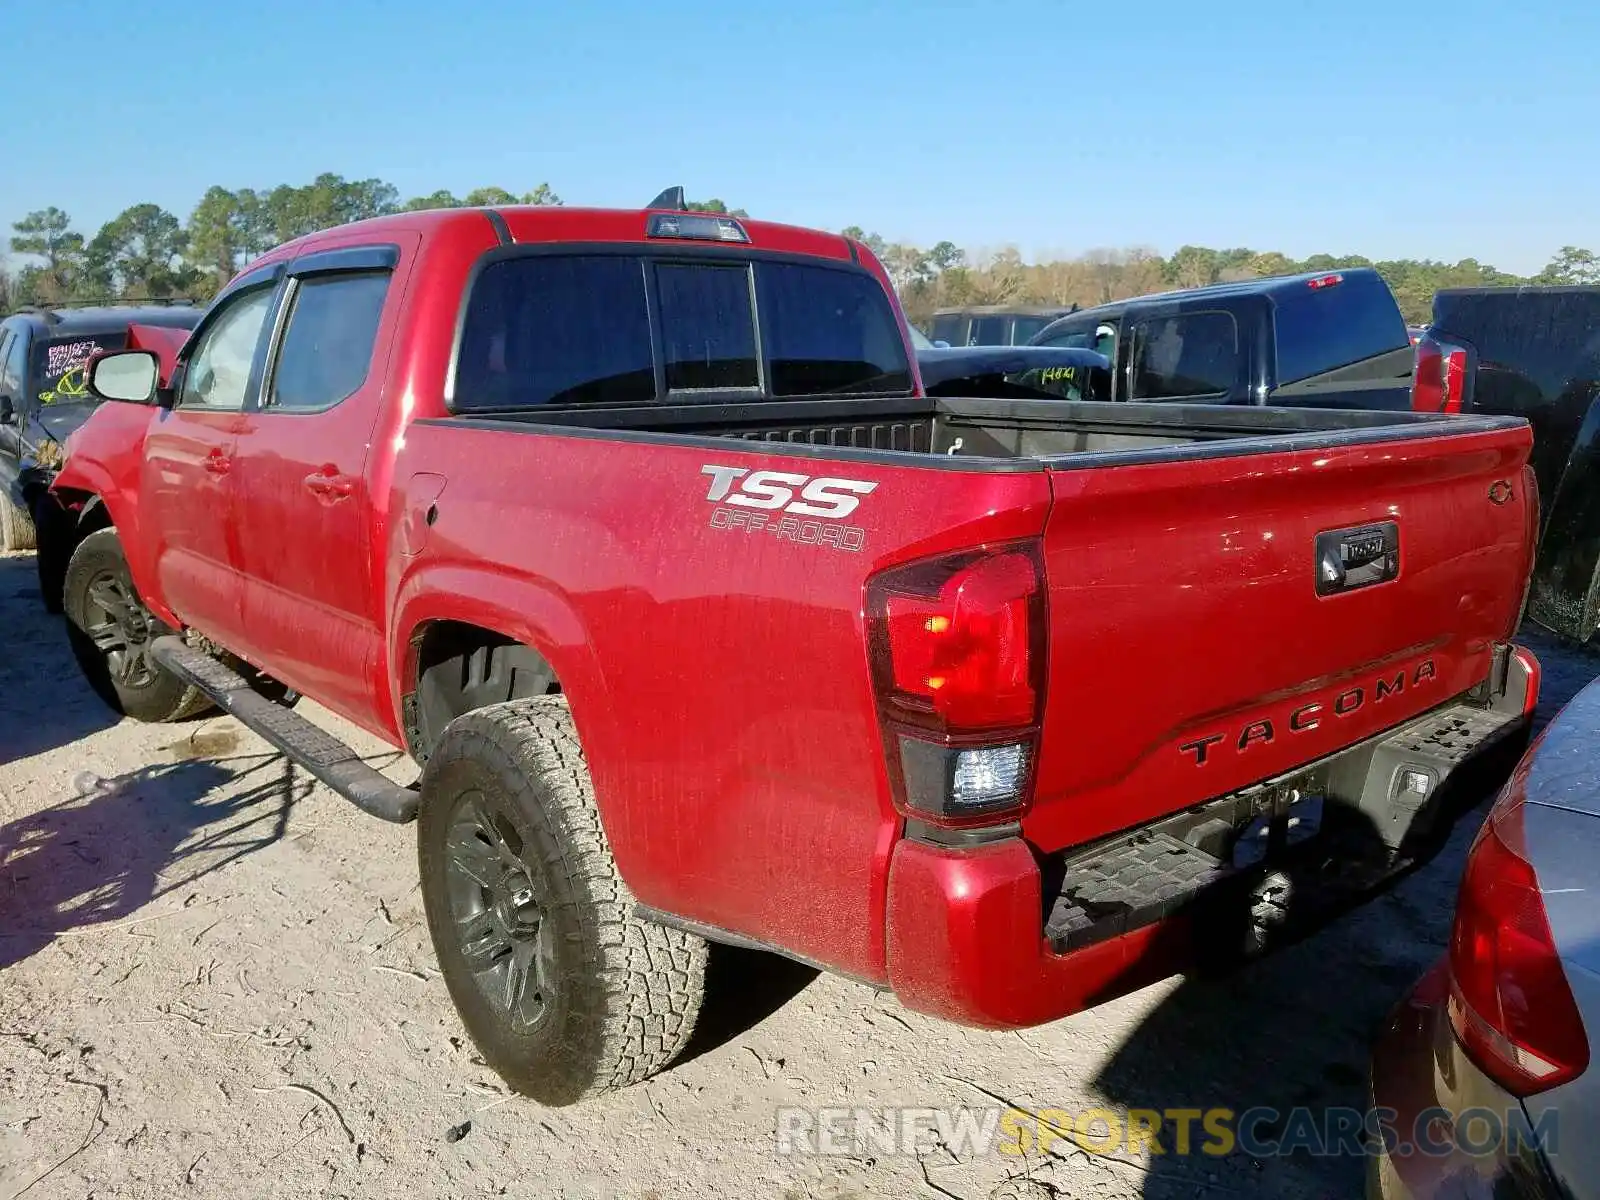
1307 717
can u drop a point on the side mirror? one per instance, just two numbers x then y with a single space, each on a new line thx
8 416
941 345
130 376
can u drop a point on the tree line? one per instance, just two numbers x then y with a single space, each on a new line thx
945 276
146 251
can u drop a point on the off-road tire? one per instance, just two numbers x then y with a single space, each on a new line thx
16 525
623 993
155 694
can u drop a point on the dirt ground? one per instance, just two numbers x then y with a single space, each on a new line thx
215 981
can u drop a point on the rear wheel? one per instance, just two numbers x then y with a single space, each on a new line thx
111 630
564 990
16 525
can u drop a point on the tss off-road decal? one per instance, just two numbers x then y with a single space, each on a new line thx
812 508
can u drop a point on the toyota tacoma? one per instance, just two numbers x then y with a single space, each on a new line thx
637 531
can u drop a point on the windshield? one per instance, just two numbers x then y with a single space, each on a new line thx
919 340
58 365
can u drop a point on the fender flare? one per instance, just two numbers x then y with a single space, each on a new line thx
93 483
524 609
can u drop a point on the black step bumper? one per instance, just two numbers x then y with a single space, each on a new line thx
1271 863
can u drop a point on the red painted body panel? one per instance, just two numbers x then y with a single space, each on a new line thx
965 941
727 714
161 340
719 678
1183 607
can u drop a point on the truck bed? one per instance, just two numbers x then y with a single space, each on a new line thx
1013 434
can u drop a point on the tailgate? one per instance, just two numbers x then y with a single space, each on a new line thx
1192 651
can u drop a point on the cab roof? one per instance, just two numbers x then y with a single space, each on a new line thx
1269 285
534 224
90 320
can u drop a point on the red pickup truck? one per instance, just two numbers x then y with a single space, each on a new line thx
635 529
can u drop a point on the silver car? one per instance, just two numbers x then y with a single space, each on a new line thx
1481 1080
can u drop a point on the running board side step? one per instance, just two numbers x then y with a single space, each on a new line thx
319 752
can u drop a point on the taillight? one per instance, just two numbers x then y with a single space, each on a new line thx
958 660
1439 382
1510 1004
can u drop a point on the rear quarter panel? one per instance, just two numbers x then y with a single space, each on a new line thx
718 675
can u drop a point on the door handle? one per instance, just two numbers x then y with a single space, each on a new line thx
328 486
217 461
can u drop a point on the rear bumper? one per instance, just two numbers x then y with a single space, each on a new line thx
996 935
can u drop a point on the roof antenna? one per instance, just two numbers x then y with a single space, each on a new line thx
672 198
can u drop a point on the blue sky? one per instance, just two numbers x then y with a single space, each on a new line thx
1356 126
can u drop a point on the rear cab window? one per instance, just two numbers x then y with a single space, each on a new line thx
621 330
1321 329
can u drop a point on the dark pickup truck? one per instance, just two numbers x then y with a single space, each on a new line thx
1326 340
637 530
1533 352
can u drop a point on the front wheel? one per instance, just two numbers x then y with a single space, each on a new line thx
111 630
564 990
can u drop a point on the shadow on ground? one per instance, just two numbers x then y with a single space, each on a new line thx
99 857
743 988
44 701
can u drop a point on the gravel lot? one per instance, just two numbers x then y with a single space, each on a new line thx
216 982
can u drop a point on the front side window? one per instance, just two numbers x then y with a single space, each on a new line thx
218 372
327 347
1196 354
13 365
556 329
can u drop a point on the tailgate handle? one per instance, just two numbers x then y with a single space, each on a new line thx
1348 559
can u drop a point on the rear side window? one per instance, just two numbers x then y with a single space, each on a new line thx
828 331
58 366
708 329
1195 354
1322 329
556 329
327 348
